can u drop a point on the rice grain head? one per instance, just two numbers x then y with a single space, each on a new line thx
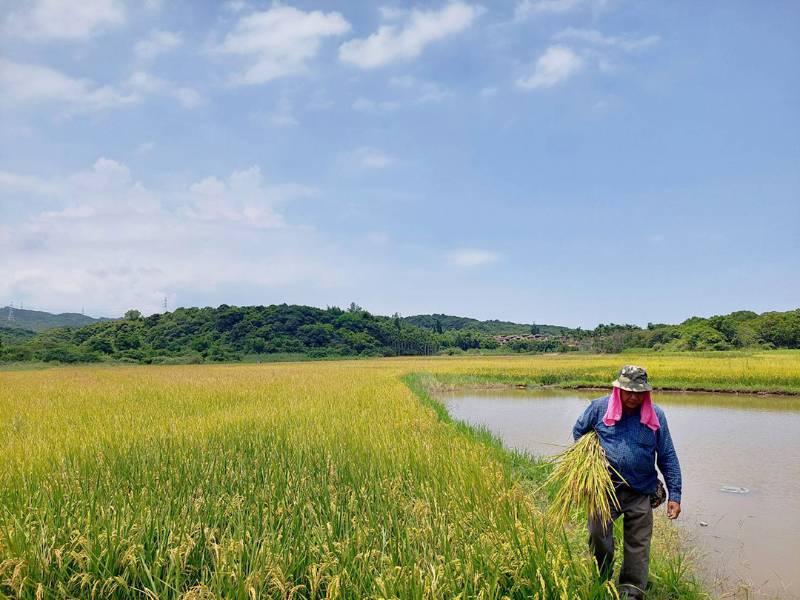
582 480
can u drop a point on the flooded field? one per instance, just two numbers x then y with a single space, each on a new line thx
740 457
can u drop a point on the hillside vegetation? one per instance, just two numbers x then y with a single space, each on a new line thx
441 323
233 333
15 335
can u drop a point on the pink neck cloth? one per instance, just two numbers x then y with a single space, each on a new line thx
614 412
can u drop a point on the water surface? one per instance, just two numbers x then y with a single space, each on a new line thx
751 541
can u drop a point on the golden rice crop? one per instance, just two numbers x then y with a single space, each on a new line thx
305 480
582 480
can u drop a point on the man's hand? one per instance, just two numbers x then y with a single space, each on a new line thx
673 509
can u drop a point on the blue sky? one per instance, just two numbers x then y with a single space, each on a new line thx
558 161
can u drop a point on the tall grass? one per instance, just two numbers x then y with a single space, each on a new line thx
286 480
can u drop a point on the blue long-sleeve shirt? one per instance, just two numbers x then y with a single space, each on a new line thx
634 449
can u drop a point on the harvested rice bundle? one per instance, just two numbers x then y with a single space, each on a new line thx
582 479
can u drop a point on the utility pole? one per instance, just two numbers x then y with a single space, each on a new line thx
165 304
11 312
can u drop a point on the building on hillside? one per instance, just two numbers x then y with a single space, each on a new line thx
507 339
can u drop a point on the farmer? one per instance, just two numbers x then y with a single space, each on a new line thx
634 434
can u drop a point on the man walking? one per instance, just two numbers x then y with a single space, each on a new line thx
634 434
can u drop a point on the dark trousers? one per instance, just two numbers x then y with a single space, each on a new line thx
638 529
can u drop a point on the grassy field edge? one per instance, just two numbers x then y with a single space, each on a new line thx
444 382
523 465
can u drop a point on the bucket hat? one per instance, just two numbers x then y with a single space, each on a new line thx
632 379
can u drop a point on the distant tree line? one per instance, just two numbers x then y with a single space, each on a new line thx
231 333
441 323
741 329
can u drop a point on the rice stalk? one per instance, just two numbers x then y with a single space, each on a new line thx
582 480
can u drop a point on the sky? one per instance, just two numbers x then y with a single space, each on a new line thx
564 162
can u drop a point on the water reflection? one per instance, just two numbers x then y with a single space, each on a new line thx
723 441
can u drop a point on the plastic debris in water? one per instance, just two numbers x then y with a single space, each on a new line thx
733 489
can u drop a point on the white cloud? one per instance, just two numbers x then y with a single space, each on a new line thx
280 41
392 43
283 115
392 13
242 198
530 8
106 176
148 84
145 82
487 92
596 38
111 241
235 6
374 106
409 92
472 257
403 81
13 182
557 64
65 19
526 8
157 43
320 100
144 147
371 158
421 92
26 84
378 238
188 97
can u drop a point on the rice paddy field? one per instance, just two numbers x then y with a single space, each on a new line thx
303 480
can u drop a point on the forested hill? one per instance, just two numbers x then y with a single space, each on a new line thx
37 320
230 333
441 323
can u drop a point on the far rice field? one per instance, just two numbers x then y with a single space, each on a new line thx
305 480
